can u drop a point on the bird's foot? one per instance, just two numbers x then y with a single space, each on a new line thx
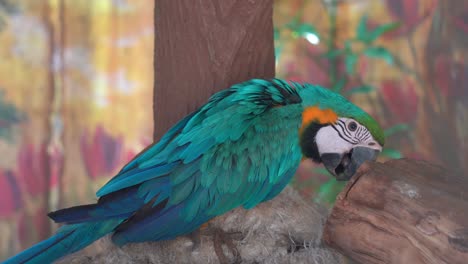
220 238
195 236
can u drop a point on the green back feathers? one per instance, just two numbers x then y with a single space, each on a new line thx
238 149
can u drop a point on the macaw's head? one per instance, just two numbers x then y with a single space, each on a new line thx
337 133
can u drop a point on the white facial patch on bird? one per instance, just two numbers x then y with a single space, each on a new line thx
344 135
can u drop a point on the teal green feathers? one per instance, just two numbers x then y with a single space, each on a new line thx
314 95
241 148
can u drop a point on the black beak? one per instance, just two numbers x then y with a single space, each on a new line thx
344 166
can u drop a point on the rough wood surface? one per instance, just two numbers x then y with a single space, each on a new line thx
402 211
203 46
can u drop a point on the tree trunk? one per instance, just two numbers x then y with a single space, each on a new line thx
402 211
205 46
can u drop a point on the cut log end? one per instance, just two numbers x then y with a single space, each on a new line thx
401 211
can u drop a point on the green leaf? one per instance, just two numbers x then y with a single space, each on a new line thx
325 188
308 32
301 29
321 171
293 24
395 129
278 50
339 85
382 29
359 89
9 116
329 191
333 53
379 52
361 31
350 62
8 7
348 49
307 28
276 33
391 153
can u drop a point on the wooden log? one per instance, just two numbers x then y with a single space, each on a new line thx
401 211
205 46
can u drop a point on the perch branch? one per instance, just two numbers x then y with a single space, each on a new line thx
401 211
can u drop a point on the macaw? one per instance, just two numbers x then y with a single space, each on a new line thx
239 149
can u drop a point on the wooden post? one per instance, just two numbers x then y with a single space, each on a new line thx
402 211
205 46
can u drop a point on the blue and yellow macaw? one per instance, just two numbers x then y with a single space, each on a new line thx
239 149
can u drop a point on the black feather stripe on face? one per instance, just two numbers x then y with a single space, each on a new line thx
307 141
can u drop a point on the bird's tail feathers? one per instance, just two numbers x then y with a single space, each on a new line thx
67 240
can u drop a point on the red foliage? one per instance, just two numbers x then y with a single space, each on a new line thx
317 69
461 20
409 13
39 221
56 160
32 168
451 77
11 195
30 226
102 153
401 99
312 68
23 227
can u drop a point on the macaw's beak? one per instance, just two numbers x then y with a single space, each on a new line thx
344 166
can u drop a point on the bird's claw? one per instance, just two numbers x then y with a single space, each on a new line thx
221 238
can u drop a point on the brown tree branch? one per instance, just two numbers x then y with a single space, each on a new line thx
402 211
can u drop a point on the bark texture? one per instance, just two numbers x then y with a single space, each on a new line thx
203 46
402 211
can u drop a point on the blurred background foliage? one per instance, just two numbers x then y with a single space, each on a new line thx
404 61
76 90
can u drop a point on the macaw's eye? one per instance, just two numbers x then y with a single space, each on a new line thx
352 126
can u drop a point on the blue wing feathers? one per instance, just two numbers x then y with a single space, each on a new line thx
157 147
279 186
183 190
67 240
38 249
181 173
239 149
158 188
157 222
259 195
136 176
221 156
112 206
